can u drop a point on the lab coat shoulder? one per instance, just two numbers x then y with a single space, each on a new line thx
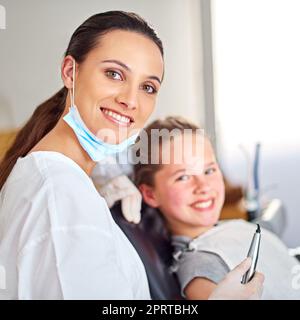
48 192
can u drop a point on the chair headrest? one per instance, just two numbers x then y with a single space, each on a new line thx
152 242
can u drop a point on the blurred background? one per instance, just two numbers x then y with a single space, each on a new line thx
232 66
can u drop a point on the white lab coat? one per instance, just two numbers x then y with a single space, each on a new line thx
58 239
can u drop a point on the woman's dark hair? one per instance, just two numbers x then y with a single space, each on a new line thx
85 38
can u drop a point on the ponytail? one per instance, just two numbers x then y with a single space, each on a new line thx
43 120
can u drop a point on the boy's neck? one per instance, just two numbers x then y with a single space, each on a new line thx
191 232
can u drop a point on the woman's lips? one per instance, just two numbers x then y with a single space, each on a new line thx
117 118
205 205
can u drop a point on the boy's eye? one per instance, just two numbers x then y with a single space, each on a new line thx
210 171
113 75
149 89
184 177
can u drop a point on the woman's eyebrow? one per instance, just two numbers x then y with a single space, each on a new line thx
155 78
117 62
128 69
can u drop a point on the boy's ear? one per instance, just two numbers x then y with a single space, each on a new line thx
148 195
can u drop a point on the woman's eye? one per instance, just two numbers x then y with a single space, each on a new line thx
184 177
149 89
114 75
210 171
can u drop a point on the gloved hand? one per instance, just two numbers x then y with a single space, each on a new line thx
121 188
111 182
231 287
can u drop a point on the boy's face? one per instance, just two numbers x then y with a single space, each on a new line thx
190 200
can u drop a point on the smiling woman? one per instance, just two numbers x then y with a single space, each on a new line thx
119 67
59 240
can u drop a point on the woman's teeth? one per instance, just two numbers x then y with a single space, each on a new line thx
116 116
203 205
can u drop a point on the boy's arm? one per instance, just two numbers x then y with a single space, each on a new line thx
230 288
199 289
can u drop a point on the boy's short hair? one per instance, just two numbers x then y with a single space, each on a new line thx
144 172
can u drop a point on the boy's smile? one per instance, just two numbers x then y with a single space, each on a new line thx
190 200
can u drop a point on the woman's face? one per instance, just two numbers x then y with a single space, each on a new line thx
190 201
116 85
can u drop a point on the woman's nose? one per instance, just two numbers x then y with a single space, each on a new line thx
128 98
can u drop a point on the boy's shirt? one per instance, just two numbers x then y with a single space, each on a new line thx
213 254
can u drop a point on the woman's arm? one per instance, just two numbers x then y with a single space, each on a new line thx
199 289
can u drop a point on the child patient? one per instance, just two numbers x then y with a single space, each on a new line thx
189 194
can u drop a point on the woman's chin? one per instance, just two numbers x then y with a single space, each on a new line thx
111 136
115 135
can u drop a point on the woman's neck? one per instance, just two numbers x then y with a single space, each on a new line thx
62 139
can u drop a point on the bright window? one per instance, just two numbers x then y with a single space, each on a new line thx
257 97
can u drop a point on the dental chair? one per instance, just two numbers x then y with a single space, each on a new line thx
150 239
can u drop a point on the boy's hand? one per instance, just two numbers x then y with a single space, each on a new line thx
231 287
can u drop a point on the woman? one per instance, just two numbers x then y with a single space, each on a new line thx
58 239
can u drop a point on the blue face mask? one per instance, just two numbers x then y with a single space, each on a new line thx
95 148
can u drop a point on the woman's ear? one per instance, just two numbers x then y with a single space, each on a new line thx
149 195
67 71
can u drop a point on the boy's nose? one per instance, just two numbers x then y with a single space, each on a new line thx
201 184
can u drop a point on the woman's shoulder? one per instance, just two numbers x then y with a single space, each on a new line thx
53 162
50 190
47 165
46 173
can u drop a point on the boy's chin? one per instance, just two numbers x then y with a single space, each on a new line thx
210 222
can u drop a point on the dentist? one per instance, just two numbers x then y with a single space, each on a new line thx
57 237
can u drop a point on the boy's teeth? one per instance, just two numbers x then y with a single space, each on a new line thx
205 204
116 116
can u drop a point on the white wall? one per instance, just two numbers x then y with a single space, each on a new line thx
37 34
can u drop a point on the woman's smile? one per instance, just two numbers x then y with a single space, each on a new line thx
117 118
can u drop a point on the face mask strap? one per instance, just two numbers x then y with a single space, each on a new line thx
73 85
